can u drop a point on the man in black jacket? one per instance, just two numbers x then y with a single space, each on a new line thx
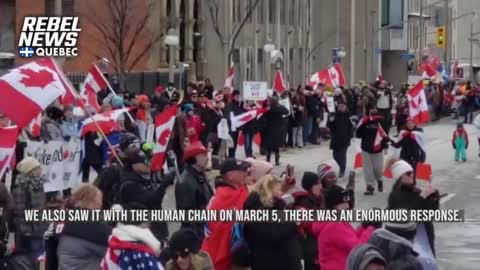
374 140
193 191
235 108
341 129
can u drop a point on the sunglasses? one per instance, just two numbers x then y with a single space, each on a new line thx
182 254
409 173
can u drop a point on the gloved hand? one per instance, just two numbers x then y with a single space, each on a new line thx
147 148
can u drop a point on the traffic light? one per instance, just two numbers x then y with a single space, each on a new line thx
440 37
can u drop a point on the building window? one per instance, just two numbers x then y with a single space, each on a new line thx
7 28
292 12
385 12
272 11
249 6
68 7
283 11
50 7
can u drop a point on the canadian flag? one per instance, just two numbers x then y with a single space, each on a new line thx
417 103
163 130
35 125
229 79
28 90
94 83
70 93
278 84
332 76
241 119
107 121
8 140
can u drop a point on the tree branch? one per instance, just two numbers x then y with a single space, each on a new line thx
145 51
213 11
238 29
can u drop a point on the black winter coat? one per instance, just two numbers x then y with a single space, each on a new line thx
314 106
135 188
274 127
193 192
367 133
406 197
273 245
411 151
341 128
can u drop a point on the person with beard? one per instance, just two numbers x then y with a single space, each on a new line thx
373 141
411 144
274 124
405 195
384 105
341 129
312 199
234 108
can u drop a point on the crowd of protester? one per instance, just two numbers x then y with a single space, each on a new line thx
125 180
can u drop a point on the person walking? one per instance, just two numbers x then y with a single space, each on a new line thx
341 129
373 141
460 143
297 118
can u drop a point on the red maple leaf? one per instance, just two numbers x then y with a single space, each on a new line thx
33 78
66 154
164 137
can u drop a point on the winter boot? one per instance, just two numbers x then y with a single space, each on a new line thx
380 186
370 191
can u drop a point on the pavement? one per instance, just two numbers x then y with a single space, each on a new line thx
456 244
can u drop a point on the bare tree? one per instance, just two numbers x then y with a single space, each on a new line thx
228 38
123 26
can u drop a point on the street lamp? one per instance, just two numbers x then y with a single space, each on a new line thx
171 40
338 54
276 57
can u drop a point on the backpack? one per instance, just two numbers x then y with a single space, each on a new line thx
241 255
109 183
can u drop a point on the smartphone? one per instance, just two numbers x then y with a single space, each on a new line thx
351 180
290 170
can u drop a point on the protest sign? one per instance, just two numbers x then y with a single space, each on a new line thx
255 90
60 162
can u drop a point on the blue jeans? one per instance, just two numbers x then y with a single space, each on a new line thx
248 144
307 128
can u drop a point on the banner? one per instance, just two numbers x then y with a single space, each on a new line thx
255 90
60 162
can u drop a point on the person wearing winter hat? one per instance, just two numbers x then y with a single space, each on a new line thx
28 193
159 99
258 169
193 191
341 129
405 195
132 244
51 128
143 116
366 257
327 175
333 250
460 143
185 254
230 193
195 126
312 199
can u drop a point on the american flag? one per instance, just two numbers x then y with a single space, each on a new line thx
124 255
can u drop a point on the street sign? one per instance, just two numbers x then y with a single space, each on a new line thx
378 50
407 56
255 90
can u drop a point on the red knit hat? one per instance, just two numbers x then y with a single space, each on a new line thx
194 149
159 89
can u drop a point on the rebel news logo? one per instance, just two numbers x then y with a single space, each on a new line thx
49 36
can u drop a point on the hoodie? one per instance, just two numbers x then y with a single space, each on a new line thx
336 240
217 242
398 251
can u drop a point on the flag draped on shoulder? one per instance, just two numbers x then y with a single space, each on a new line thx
94 83
29 89
163 129
8 140
380 135
107 121
415 135
122 255
241 119
332 76
417 102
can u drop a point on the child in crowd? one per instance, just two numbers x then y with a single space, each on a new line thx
460 143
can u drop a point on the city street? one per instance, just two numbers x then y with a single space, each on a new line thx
456 244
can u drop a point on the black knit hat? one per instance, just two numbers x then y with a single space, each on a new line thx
184 241
309 179
336 195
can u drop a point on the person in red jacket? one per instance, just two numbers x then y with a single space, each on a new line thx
337 239
195 126
231 193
